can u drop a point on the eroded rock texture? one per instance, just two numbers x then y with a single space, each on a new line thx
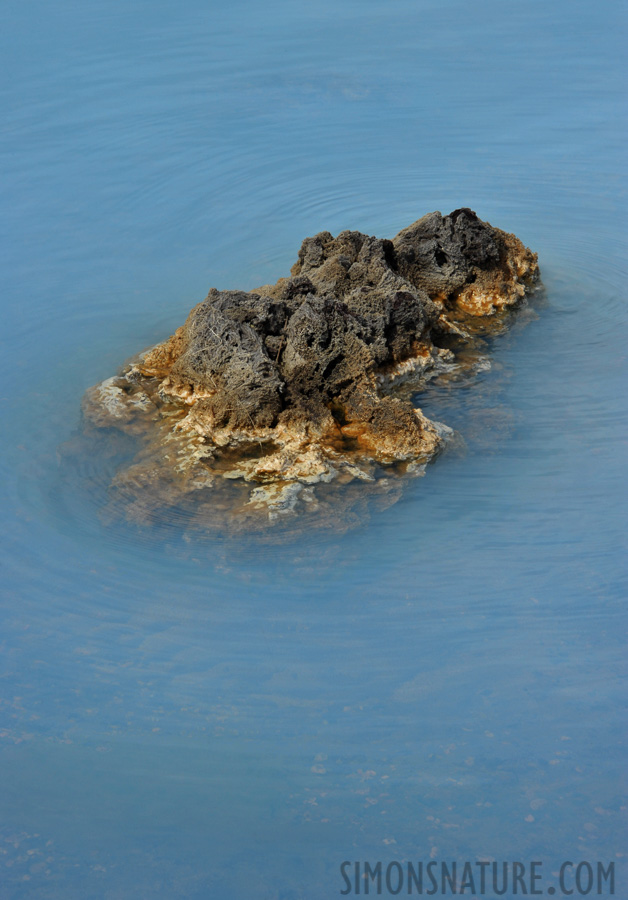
263 398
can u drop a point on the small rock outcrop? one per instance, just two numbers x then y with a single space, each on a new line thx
263 398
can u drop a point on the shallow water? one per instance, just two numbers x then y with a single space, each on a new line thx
220 719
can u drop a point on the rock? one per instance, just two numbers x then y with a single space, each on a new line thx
288 387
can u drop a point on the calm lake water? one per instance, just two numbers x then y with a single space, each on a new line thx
220 719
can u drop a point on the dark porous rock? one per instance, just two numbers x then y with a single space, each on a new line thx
263 399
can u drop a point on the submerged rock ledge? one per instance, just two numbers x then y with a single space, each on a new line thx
285 389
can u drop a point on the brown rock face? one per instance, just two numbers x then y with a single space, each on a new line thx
261 395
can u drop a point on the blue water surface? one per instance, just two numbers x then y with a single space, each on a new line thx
224 719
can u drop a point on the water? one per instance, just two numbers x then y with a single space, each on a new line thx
446 681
